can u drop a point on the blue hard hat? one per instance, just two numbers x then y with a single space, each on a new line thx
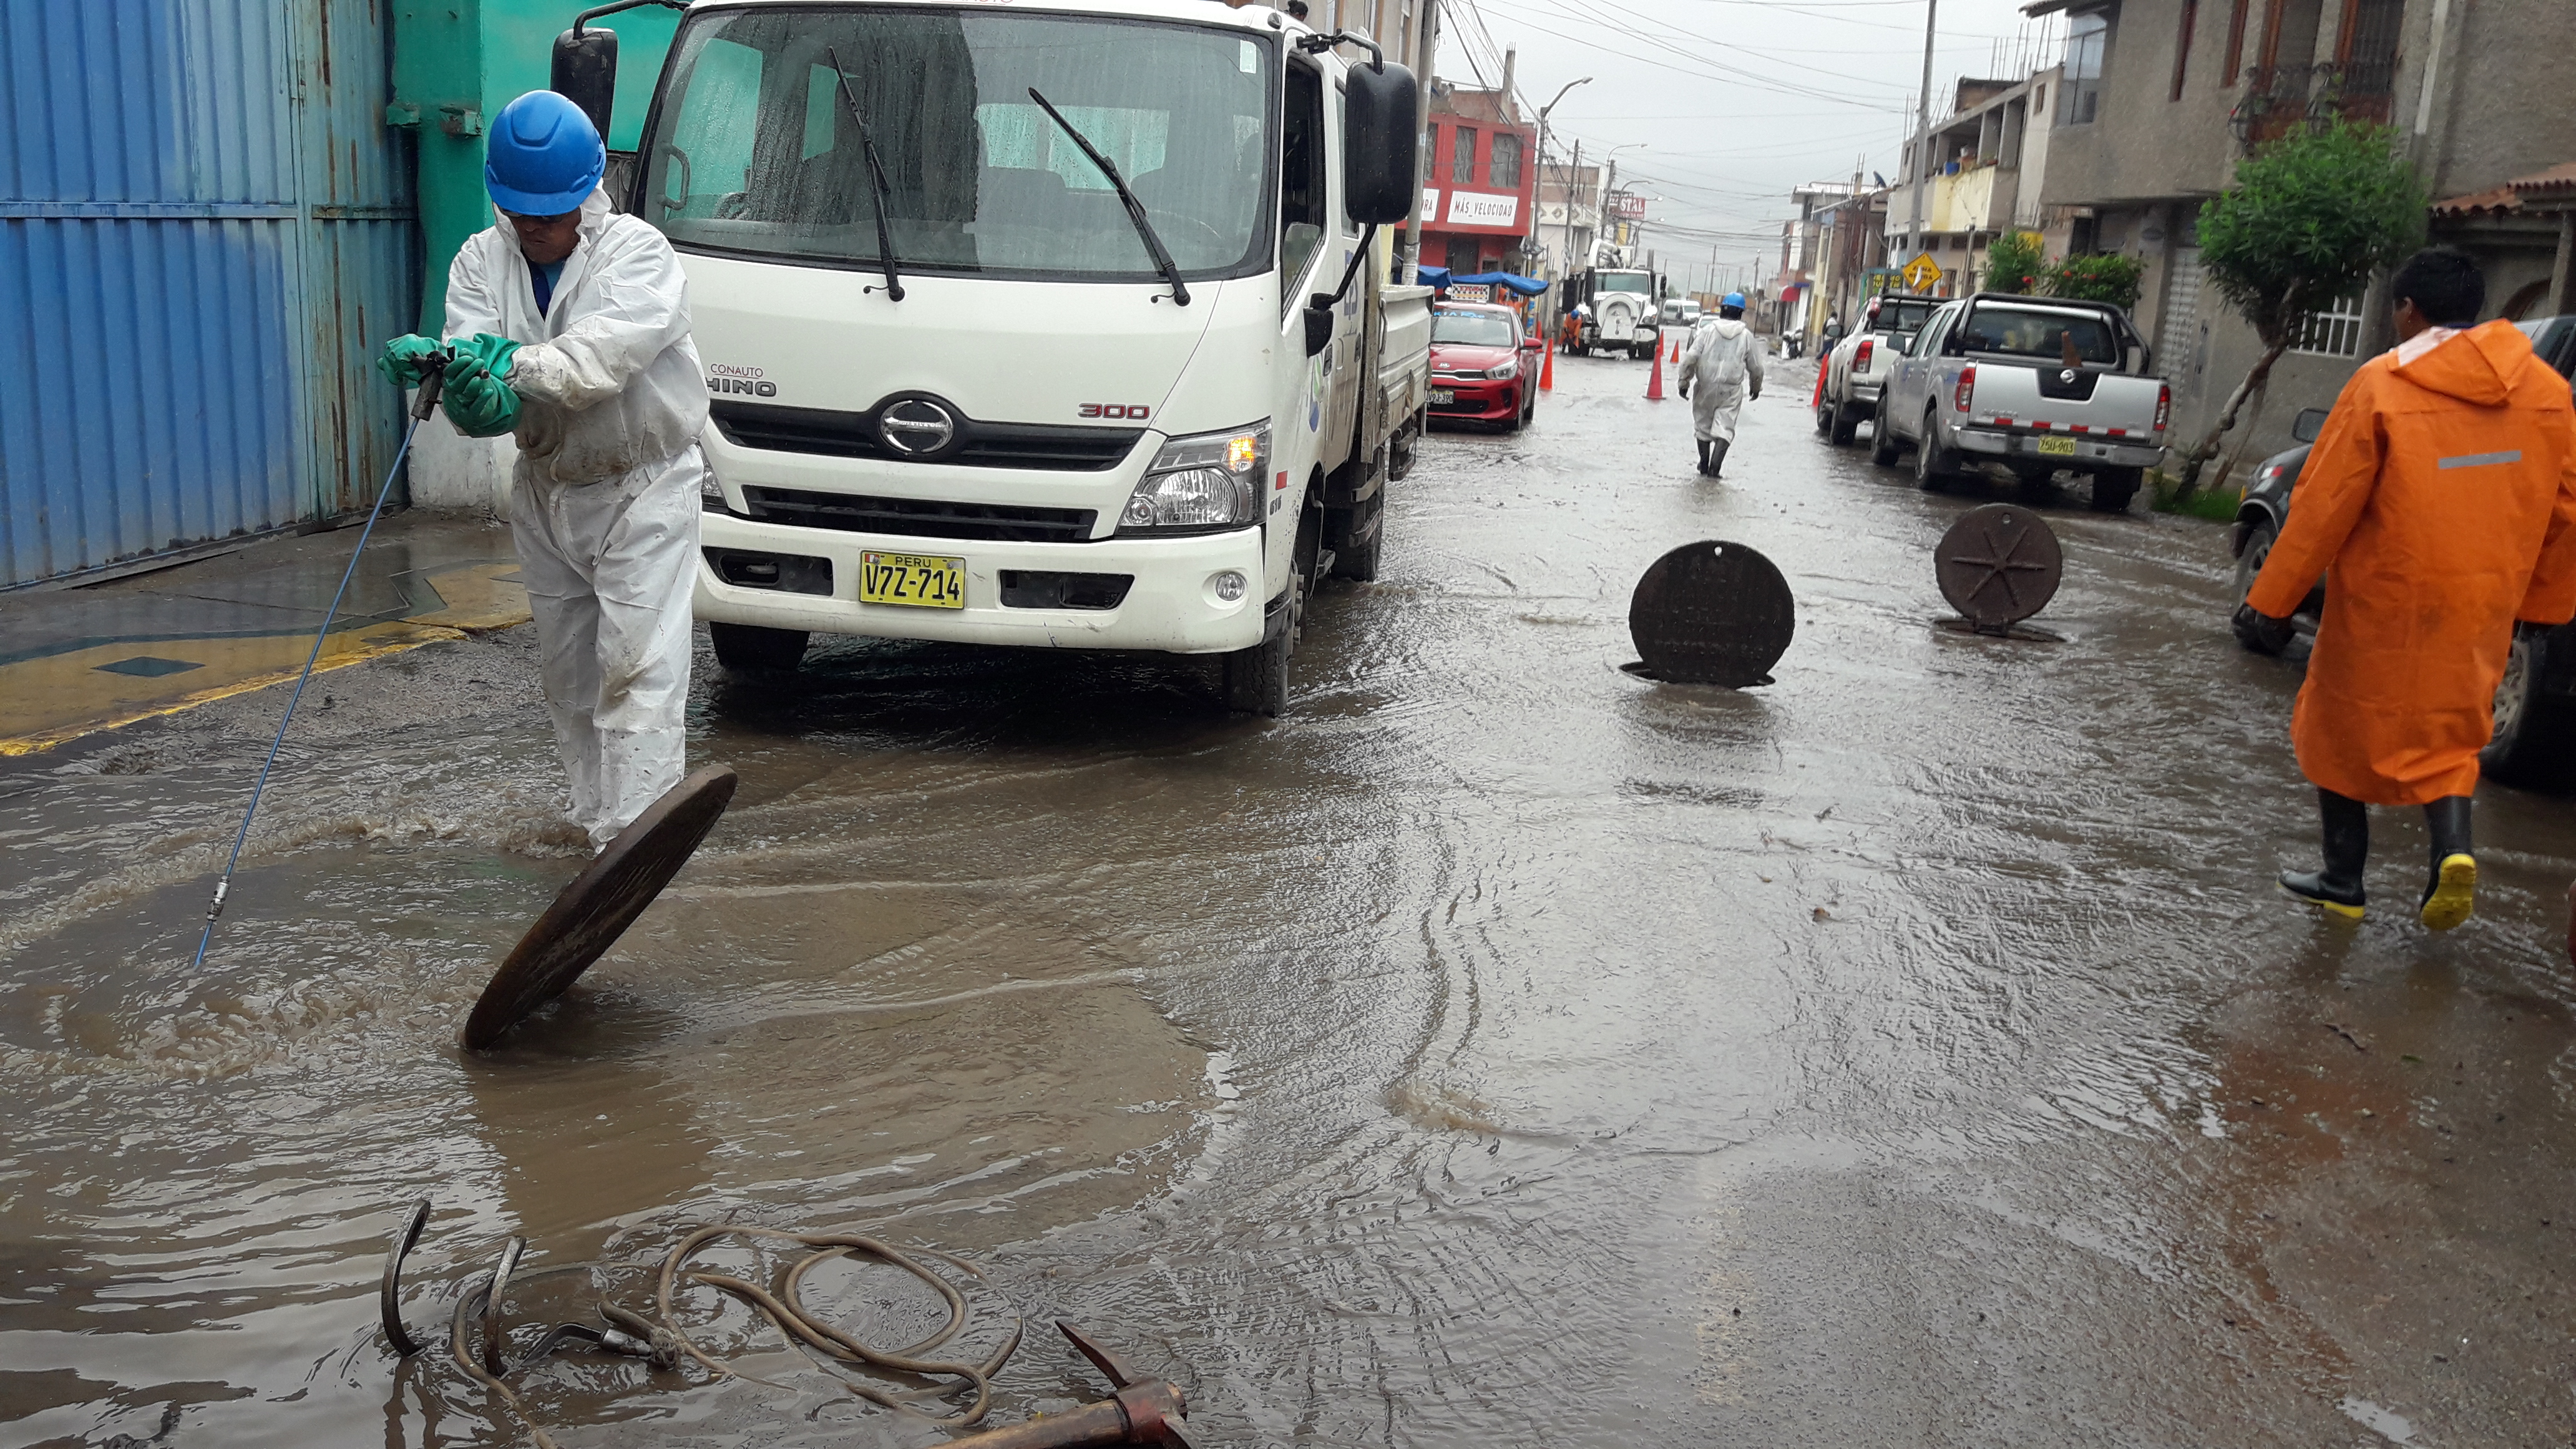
543 157
1732 299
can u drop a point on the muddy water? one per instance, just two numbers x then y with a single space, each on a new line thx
1502 1049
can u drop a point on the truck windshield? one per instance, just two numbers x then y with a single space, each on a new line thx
754 151
2038 332
1624 282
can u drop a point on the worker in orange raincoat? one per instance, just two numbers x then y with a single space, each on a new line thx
2440 503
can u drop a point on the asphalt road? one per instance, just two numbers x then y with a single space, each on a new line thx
1500 1049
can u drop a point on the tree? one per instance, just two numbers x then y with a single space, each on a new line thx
2014 263
2310 217
2098 277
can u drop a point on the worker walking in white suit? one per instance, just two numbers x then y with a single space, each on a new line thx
1722 367
568 326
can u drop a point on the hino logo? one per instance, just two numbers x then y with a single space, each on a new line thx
917 426
756 388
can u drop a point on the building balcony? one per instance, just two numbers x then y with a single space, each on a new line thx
1977 199
2281 98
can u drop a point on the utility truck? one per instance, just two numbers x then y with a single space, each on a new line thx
1056 325
1625 312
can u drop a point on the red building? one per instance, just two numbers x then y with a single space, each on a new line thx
1480 169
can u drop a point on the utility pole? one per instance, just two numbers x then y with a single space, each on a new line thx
1556 303
1426 25
1922 134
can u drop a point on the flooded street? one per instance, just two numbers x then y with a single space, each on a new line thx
1500 1049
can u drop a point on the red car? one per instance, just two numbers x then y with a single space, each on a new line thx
1482 369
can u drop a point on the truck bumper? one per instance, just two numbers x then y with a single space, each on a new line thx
2090 452
1169 604
1861 395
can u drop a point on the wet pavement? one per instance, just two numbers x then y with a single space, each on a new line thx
1502 1049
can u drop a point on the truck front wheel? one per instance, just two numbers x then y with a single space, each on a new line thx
751 649
1256 679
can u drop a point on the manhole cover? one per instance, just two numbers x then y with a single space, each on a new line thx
1998 565
596 907
1712 612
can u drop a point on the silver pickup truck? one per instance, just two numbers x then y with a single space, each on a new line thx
2034 385
1859 364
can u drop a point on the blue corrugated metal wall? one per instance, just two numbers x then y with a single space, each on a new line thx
205 225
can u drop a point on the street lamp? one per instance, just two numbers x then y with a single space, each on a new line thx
1538 192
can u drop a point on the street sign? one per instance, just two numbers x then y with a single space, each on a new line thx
1922 272
1631 208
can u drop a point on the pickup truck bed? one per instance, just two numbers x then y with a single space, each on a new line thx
2033 385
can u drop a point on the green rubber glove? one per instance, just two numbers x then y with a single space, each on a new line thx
479 404
410 358
492 352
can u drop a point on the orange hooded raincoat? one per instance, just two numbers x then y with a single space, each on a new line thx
2440 503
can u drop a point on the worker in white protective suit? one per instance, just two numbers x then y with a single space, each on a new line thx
1722 367
568 327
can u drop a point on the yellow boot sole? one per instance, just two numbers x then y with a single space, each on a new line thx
2349 913
2455 893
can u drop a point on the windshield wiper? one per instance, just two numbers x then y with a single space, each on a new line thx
1135 209
876 177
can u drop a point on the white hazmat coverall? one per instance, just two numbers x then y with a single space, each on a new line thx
1723 355
604 499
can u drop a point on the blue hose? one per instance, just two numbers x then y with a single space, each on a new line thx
429 390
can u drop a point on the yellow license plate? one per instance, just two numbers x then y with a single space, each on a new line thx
2057 447
921 581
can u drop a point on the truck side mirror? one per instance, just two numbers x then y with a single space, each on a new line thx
1319 324
2309 423
1379 144
585 72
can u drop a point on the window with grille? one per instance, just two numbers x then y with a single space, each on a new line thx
1462 158
2334 332
1504 174
2182 300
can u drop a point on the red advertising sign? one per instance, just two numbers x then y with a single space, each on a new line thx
1628 208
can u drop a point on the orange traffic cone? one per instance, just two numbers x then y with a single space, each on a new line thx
1547 372
1820 387
1655 379
1677 349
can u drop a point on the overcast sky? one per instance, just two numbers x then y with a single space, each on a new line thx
1722 106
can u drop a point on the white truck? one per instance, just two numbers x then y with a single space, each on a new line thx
1057 325
1859 364
1624 313
2033 385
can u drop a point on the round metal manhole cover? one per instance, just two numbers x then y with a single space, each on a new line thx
596 906
1712 612
1998 565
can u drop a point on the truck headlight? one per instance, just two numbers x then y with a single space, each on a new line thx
1207 481
1511 368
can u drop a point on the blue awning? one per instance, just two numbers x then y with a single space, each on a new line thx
1526 286
1431 276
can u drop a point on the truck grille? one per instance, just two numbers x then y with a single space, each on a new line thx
987 445
920 518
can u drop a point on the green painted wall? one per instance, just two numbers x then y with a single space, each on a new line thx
456 63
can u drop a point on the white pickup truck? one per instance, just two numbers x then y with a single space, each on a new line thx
2035 385
1058 325
1859 364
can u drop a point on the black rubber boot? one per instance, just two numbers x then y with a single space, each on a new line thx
2336 888
2451 894
1716 456
1703 457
